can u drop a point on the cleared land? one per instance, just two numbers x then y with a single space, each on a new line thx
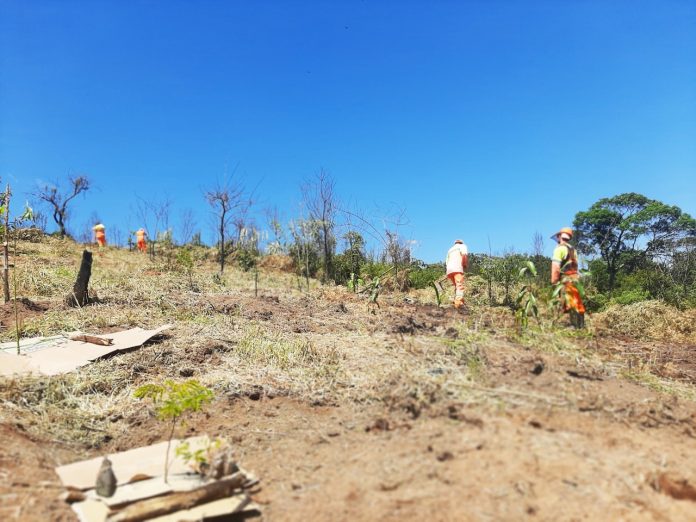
345 412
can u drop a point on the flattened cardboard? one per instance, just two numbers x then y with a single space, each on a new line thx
148 461
126 465
144 489
224 506
62 356
15 365
90 510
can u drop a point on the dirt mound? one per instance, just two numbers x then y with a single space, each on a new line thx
32 234
648 319
25 309
277 262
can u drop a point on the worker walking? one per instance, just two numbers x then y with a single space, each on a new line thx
100 234
457 262
564 269
140 236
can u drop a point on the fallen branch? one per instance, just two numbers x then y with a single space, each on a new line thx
165 505
101 341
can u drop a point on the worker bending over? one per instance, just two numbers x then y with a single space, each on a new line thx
564 269
140 236
457 262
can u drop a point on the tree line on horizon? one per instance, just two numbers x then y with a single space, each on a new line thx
634 248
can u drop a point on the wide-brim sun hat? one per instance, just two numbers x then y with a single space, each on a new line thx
564 231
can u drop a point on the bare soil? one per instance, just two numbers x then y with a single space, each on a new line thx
553 427
26 309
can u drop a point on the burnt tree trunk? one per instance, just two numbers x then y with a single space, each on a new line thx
80 293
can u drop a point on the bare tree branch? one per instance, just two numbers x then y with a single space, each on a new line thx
58 201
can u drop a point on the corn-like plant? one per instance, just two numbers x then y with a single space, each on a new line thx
526 301
172 400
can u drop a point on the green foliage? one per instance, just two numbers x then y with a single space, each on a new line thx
421 275
526 301
628 297
347 266
305 247
247 251
199 459
172 400
246 258
355 283
625 229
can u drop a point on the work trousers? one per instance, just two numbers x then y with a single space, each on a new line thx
458 282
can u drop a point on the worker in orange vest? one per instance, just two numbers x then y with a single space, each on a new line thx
564 269
140 235
457 262
99 234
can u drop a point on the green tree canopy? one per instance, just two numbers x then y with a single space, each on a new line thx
629 227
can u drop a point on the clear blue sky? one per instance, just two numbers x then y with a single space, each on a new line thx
479 118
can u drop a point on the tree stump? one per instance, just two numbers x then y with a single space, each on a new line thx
80 293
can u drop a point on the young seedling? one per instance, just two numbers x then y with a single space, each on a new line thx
9 229
172 400
214 459
526 299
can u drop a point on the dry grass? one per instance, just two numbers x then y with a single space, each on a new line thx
649 319
216 340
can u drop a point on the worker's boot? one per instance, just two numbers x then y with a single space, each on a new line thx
581 320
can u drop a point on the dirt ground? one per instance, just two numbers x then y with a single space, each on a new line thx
26 309
408 411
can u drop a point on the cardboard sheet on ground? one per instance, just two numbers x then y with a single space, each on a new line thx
56 355
147 461
92 510
138 464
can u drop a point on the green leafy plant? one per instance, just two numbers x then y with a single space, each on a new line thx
185 262
354 283
172 400
526 301
199 459
9 231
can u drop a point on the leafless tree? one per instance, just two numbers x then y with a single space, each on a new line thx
279 244
320 200
40 221
537 245
154 218
117 236
228 201
85 234
187 226
58 200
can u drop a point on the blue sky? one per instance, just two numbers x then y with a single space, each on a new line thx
481 119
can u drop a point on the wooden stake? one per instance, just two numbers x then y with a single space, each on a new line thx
80 294
6 249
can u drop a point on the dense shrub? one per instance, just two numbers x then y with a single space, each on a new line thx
421 275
